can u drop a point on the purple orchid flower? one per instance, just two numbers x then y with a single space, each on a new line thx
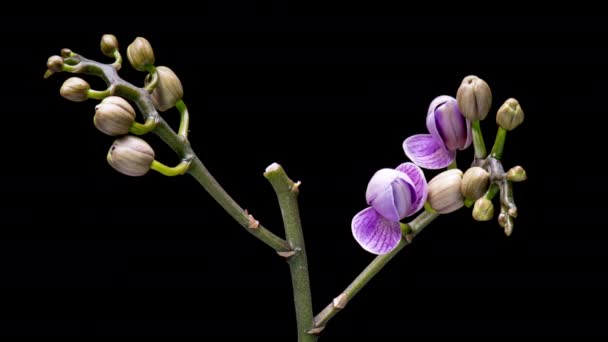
450 131
392 194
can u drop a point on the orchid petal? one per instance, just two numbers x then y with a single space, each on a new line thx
374 233
420 185
427 152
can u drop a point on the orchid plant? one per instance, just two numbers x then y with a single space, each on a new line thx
392 195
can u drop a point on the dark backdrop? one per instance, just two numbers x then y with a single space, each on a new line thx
87 251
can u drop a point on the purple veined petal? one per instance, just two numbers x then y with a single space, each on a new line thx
450 124
391 194
420 185
374 233
469 136
425 151
431 118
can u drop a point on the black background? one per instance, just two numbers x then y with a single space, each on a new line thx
331 96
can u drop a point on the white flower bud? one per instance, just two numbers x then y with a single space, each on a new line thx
114 116
108 44
75 89
474 98
483 209
475 183
140 54
444 191
168 91
510 115
55 63
131 156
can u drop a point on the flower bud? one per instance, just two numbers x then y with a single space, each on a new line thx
444 191
517 174
75 89
55 63
510 115
475 183
131 156
108 44
483 209
114 116
140 54
474 98
65 52
168 91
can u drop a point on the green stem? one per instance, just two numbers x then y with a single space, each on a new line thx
417 225
287 194
478 143
178 170
139 129
453 165
499 143
153 74
184 122
98 94
118 59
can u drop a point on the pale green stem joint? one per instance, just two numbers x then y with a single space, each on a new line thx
178 170
428 208
499 143
153 74
141 129
453 165
184 120
478 143
98 94
117 59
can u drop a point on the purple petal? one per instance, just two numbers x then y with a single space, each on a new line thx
431 116
425 151
420 185
374 233
469 136
391 194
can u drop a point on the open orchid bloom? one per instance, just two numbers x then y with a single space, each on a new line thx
392 194
449 131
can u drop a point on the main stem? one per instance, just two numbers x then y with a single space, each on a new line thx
370 271
287 194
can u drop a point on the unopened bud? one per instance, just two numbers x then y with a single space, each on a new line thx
444 194
140 54
510 115
483 209
55 63
114 116
75 89
517 174
131 156
65 53
474 98
475 182
108 44
168 91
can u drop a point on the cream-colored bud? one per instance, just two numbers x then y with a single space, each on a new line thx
131 156
168 91
475 182
108 44
474 98
140 54
483 209
55 63
75 89
517 174
510 115
65 52
114 116
444 191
